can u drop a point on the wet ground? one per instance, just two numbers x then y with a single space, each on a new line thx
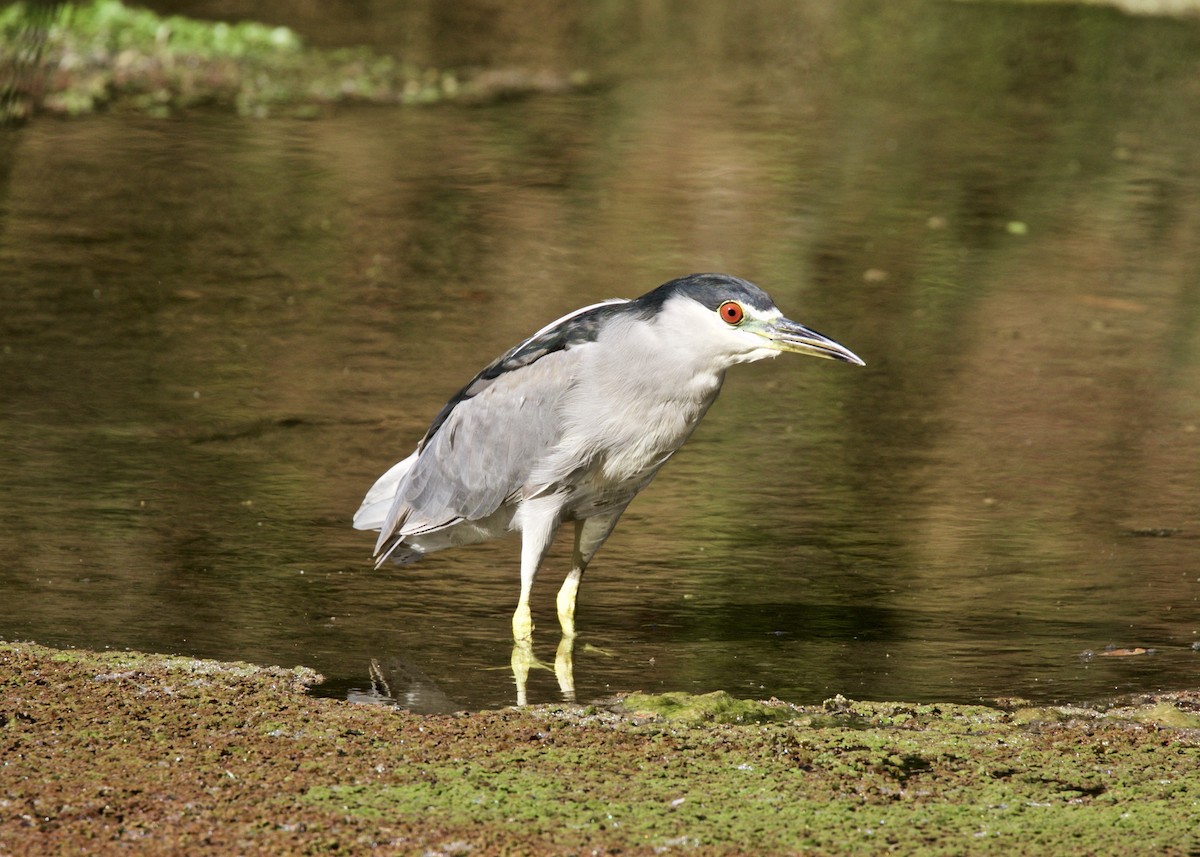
106 752
218 330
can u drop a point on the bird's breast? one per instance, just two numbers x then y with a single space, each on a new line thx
647 422
619 423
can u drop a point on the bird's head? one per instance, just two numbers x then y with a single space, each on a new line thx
734 320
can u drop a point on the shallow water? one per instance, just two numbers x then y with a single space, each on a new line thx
217 332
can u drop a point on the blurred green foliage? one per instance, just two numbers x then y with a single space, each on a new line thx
75 59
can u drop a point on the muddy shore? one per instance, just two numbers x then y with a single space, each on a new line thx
104 752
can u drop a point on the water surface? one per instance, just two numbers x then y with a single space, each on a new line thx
217 332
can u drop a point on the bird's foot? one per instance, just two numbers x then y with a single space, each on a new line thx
567 624
522 624
566 604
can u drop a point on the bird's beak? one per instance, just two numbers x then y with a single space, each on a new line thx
787 335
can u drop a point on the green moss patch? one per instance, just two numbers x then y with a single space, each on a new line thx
716 707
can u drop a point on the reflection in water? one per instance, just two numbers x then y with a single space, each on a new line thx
213 328
399 682
523 660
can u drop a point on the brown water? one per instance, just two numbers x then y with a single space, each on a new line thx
216 332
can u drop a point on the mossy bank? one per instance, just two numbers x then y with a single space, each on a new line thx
106 751
76 58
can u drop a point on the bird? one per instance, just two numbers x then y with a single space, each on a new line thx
570 424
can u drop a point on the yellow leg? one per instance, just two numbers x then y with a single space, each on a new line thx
590 533
522 623
566 602
537 520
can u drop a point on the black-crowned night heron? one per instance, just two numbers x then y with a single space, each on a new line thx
572 423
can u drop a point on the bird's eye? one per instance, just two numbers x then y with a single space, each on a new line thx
731 312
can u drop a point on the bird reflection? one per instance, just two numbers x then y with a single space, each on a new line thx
401 683
398 682
523 660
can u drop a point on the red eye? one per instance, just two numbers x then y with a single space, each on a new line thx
731 312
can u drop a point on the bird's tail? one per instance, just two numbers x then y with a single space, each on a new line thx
373 512
398 552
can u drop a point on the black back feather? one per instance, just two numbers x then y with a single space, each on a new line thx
710 290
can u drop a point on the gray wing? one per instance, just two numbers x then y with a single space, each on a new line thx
484 447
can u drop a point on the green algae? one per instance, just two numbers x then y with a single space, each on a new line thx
73 60
850 777
715 707
102 750
1168 714
944 785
